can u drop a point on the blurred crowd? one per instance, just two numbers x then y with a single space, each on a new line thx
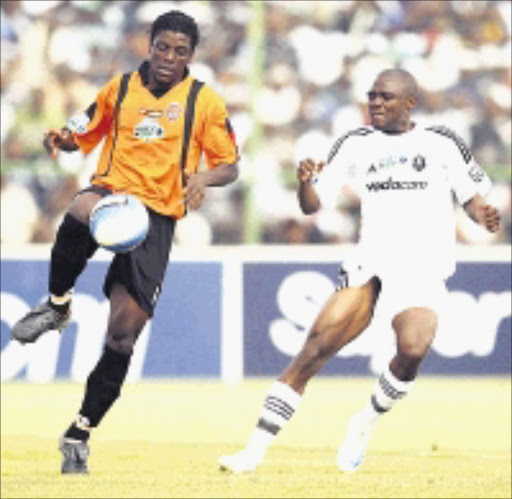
294 75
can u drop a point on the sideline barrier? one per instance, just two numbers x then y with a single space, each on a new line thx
235 312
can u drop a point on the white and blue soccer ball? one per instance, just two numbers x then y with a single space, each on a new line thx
119 222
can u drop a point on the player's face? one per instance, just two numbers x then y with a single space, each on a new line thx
169 55
389 105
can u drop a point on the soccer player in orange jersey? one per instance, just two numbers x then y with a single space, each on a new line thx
152 147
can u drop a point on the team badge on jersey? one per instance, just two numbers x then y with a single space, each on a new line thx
174 111
476 173
418 163
78 123
149 128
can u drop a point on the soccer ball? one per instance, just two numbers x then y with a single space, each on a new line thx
119 222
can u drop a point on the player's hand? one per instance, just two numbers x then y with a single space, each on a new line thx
50 142
194 191
308 170
490 218
54 140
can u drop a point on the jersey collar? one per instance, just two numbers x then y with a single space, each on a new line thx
144 76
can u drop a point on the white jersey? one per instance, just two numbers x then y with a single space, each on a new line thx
405 183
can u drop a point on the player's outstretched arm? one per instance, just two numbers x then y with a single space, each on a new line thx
306 173
54 140
483 213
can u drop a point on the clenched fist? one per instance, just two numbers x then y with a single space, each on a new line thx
308 170
54 140
489 217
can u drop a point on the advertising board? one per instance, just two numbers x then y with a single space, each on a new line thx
281 301
182 339
235 313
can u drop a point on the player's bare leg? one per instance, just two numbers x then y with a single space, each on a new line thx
344 317
415 329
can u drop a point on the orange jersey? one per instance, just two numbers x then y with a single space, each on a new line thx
145 160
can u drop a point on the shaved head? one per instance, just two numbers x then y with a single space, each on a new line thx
404 79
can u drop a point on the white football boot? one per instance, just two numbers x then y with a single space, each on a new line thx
241 462
351 452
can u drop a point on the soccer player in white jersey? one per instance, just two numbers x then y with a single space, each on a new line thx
405 175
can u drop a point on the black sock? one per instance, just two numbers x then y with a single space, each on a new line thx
73 246
76 433
104 385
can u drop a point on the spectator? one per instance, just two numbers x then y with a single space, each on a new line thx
460 50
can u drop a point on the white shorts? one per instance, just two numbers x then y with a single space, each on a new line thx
400 289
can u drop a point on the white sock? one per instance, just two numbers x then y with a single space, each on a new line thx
61 300
83 423
387 392
278 407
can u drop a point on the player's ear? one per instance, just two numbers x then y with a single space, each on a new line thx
411 102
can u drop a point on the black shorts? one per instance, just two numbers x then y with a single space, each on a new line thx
142 270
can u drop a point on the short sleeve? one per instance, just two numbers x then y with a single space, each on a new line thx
90 126
467 178
219 141
338 171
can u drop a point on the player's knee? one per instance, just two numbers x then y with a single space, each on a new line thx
122 338
416 349
83 204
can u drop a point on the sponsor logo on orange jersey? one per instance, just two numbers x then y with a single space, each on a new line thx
174 111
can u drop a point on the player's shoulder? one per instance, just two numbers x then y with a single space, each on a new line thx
112 87
115 80
209 100
362 131
448 137
443 131
356 134
209 93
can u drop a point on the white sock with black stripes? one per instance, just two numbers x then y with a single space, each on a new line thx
278 407
387 392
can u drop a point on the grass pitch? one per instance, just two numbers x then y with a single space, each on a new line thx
451 437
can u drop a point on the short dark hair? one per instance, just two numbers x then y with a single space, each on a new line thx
410 86
178 21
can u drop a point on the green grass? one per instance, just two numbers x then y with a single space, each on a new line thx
450 438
